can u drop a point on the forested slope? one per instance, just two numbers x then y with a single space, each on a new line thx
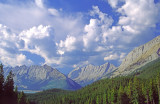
142 87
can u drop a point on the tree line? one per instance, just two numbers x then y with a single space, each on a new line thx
142 87
120 90
8 93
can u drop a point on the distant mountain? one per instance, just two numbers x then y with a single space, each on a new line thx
146 79
46 77
40 78
136 59
139 57
90 73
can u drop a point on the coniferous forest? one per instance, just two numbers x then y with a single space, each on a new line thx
9 94
140 87
79 51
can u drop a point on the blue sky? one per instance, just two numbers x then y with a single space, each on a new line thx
74 33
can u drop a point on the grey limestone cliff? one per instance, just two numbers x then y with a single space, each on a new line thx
139 57
90 73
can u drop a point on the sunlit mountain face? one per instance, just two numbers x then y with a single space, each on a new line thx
38 78
74 33
79 51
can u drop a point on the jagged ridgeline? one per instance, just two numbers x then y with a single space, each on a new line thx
39 78
45 77
139 57
90 73
140 87
135 81
136 59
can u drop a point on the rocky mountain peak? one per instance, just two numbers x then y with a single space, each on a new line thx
90 73
140 56
40 77
47 66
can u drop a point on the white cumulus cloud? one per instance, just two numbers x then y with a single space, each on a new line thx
68 45
9 48
39 3
137 15
66 39
111 57
40 40
95 29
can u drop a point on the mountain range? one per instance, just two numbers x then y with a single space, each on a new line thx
137 58
40 78
45 77
90 73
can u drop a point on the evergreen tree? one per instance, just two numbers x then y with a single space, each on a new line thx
145 93
27 101
155 92
16 94
97 100
108 96
22 98
141 96
150 91
1 83
135 90
9 89
120 95
7 93
158 86
130 90
113 96
9 84
1 78
104 98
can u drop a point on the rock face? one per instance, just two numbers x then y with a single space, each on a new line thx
40 78
90 73
139 57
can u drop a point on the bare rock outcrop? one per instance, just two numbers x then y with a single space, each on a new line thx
89 74
139 57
